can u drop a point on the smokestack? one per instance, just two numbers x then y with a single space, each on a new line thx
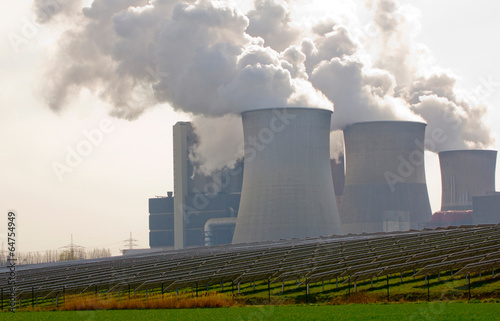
287 181
385 188
464 174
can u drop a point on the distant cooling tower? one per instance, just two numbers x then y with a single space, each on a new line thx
385 188
287 187
464 174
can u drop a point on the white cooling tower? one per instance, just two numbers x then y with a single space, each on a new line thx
385 188
287 187
464 174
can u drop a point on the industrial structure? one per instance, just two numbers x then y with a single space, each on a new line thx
179 220
161 222
450 218
207 216
385 188
291 189
287 187
486 209
465 174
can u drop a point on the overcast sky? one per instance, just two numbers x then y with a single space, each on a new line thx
105 195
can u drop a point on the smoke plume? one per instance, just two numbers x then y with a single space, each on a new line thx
195 56
210 59
219 143
431 91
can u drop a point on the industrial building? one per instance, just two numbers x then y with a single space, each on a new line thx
161 222
486 209
206 207
198 202
205 217
385 188
291 189
287 183
450 218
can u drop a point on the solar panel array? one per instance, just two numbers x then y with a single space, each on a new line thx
466 249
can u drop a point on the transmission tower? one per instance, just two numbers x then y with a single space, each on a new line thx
130 242
75 252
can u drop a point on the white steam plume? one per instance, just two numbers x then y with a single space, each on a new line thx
219 142
400 81
272 22
195 56
210 59
431 91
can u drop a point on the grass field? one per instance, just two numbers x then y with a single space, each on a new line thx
412 312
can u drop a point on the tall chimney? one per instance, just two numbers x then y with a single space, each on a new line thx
287 187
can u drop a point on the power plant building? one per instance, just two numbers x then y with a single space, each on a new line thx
486 209
207 216
179 220
385 187
291 189
161 222
287 187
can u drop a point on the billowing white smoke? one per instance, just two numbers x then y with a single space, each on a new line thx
397 81
272 22
219 142
430 91
210 59
195 56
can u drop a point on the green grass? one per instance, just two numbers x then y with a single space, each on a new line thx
413 311
410 289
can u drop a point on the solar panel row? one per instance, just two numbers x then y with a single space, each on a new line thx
471 248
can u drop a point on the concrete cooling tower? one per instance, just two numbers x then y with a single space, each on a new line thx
464 174
287 187
385 188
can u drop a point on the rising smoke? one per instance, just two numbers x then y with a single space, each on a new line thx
212 60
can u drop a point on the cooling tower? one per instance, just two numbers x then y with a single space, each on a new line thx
385 187
287 187
464 174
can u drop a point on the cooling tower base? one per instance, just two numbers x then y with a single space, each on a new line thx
457 208
375 208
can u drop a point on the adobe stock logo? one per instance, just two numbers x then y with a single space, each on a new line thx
76 154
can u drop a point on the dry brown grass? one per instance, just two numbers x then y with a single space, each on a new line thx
90 302
357 298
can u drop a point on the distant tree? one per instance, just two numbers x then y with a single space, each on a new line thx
56 256
69 255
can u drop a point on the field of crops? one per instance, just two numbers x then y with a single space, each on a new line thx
412 311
